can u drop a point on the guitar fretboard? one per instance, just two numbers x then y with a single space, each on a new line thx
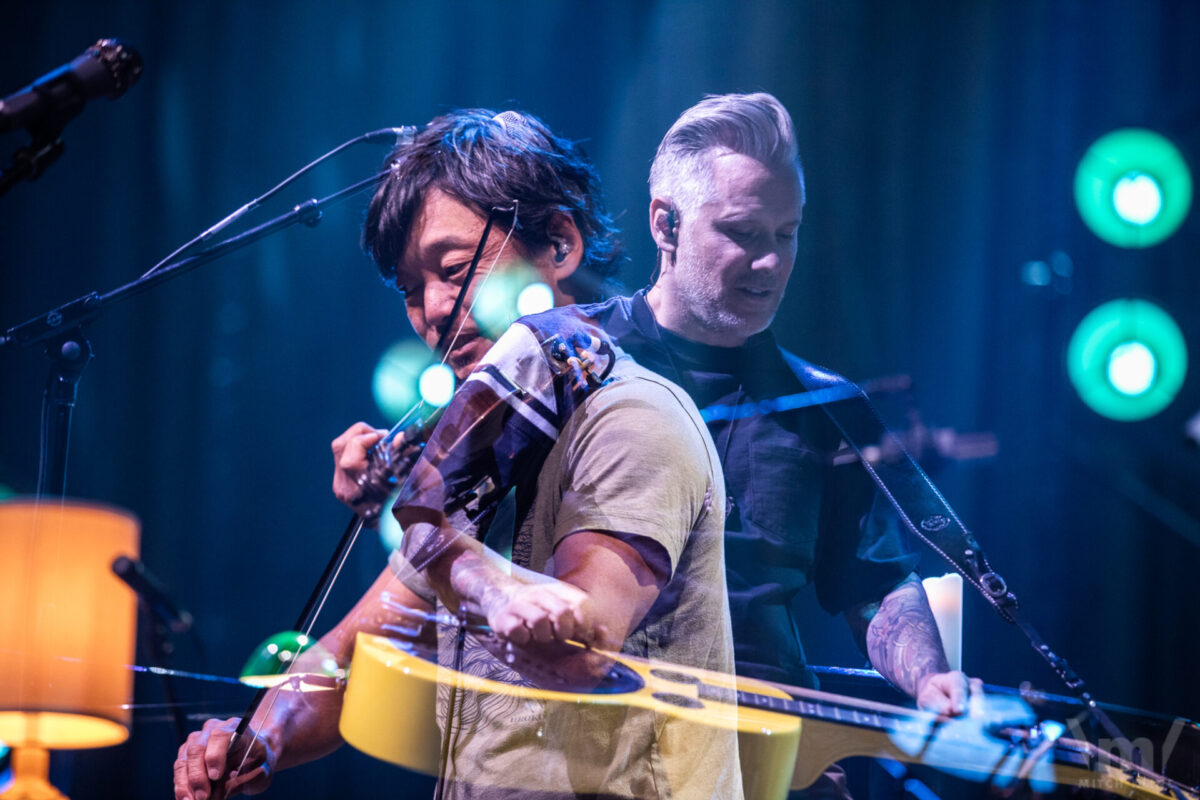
805 708
1065 751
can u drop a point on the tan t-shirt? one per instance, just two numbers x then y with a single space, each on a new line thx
634 460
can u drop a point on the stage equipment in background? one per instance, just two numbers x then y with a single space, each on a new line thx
1127 359
1133 188
106 69
908 432
61 329
67 632
161 617
153 593
923 510
291 657
945 594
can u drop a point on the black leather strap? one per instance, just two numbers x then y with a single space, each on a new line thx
919 504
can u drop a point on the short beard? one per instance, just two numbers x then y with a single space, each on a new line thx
702 301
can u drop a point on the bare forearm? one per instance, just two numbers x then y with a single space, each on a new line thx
303 725
902 639
465 576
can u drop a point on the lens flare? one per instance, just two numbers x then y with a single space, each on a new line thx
498 301
437 385
396 384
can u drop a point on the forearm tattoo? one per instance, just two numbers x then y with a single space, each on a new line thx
902 639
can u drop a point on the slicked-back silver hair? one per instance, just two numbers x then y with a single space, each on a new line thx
756 125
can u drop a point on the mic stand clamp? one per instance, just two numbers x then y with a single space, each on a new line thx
69 355
29 162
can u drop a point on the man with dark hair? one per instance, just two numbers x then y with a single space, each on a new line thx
498 160
512 166
609 549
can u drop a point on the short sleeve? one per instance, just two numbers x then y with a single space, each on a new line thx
638 463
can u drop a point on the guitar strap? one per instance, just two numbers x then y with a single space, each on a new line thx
924 511
921 507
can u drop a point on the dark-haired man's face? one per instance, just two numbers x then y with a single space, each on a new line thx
440 247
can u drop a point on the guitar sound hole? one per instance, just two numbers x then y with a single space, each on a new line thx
675 677
677 700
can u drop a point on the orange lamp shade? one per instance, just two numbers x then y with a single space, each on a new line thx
67 625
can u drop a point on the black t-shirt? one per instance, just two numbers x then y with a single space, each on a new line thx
793 517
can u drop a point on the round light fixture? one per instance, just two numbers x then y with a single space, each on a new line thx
1127 359
1133 188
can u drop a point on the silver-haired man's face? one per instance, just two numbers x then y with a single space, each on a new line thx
736 250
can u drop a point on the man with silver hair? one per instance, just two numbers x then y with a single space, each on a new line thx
728 166
727 196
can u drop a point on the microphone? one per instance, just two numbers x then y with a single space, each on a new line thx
152 592
106 69
393 137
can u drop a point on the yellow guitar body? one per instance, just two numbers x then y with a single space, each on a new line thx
389 712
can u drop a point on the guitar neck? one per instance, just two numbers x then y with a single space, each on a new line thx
1074 762
823 706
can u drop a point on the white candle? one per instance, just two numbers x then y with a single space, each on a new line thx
945 598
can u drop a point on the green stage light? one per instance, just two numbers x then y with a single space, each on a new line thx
1133 188
391 535
436 385
535 298
396 384
504 296
1127 359
271 662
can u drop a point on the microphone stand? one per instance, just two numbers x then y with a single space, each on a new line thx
70 351
158 647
